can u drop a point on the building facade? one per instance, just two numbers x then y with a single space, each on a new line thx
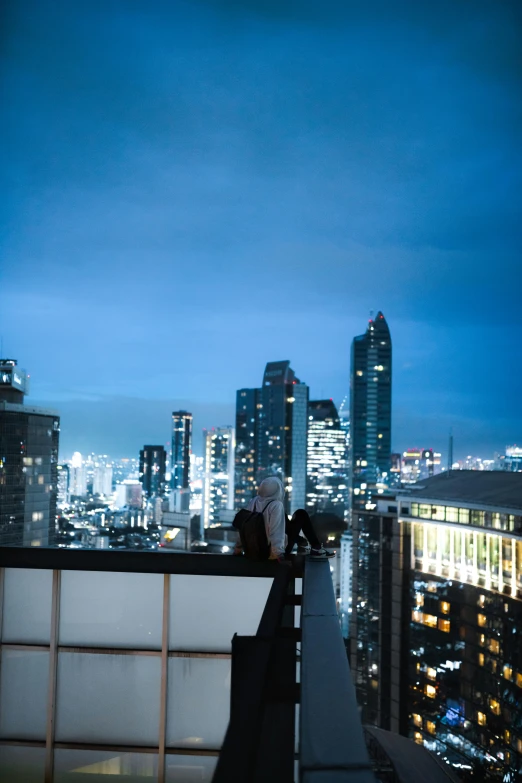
327 469
102 479
370 413
181 448
436 626
271 426
153 465
218 481
29 439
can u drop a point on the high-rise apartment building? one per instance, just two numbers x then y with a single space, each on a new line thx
370 413
218 481
436 627
153 462
327 470
78 476
28 463
271 432
181 448
102 479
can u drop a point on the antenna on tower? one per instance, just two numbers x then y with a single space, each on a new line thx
450 451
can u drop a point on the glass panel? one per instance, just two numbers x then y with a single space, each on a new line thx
23 685
72 766
108 609
108 698
206 611
198 702
452 514
185 769
27 605
22 765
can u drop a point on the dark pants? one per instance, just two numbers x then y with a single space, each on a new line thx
300 523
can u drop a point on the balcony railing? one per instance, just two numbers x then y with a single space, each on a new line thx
153 666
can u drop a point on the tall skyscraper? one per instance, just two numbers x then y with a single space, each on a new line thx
181 448
327 470
153 462
271 426
247 425
218 482
28 463
370 413
63 485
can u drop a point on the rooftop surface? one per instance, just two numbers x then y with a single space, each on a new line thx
495 488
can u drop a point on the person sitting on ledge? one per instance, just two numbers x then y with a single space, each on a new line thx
283 532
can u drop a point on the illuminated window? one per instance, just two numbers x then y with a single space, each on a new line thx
507 671
415 509
27 461
419 599
444 625
424 511
418 737
481 659
430 691
482 640
452 514
430 620
494 646
438 512
359 373
430 726
481 600
481 719
507 736
431 674
494 706
417 720
519 680
444 607
519 745
464 515
481 620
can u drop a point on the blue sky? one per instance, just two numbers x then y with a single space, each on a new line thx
193 189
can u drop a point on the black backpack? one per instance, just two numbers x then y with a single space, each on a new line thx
252 531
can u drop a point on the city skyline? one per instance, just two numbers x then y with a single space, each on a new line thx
165 169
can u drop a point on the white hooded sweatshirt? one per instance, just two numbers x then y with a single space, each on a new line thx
270 497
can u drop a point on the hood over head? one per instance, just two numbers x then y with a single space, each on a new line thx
271 488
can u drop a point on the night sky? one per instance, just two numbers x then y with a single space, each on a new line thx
193 189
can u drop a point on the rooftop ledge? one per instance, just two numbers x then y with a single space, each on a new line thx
174 667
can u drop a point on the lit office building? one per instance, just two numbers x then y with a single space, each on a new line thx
271 427
419 464
436 630
181 448
218 481
370 413
327 489
153 461
28 463
129 494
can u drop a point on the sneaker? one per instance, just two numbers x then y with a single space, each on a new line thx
321 554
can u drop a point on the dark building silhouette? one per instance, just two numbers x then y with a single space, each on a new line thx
327 469
153 461
28 463
181 448
370 413
271 435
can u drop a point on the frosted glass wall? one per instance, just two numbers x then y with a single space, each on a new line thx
107 654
